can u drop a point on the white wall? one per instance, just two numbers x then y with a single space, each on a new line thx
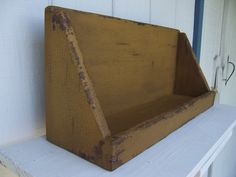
228 92
21 69
22 52
174 13
225 164
213 43
219 38
211 36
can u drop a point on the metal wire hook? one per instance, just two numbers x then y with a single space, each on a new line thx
233 65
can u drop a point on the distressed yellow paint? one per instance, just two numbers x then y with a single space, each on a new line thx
115 87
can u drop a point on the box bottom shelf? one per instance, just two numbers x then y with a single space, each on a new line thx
135 115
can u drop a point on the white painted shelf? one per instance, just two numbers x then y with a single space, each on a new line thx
187 152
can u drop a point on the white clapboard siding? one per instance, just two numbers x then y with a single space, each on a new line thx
211 37
185 17
96 6
21 69
137 10
72 4
163 12
174 14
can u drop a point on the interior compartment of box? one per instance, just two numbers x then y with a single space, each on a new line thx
128 118
135 68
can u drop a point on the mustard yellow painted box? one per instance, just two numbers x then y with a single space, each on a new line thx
115 87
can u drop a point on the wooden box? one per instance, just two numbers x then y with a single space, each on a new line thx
115 87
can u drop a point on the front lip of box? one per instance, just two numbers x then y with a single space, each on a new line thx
165 115
141 132
133 141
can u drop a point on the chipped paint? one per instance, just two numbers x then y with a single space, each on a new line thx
116 140
171 113
86 156
141 24
115 159
63 23
96 154
74 53
98 148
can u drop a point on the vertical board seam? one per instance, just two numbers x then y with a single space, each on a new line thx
150 11
112 8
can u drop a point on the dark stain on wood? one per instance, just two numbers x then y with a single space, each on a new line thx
86 156
171 113
89 96
81 75
116 140
135 54
122 43
59 18
140 23
153 63
74 53
171 45
98 148
115 160
97 152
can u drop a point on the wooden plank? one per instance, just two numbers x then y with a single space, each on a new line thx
189 77
182 153
71 114
75 120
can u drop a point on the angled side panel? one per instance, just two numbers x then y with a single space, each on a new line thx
74 118
189 78
61 20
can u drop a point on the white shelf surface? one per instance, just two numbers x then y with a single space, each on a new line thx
184 153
